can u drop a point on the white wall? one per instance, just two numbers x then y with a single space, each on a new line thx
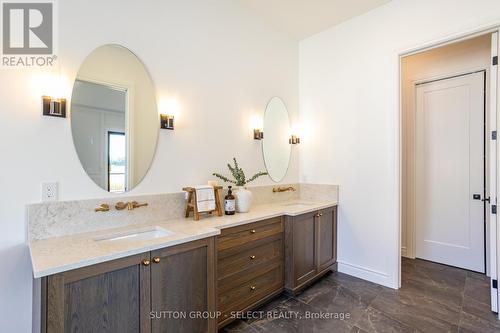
349 79
220 62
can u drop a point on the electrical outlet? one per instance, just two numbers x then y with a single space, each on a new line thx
50 191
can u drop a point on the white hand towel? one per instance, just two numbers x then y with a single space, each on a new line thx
205 198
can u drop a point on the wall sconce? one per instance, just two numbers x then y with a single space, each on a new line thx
54 107
294 140
258 134
167 121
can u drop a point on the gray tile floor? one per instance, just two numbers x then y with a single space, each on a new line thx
433 298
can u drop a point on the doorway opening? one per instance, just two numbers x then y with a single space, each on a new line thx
448 158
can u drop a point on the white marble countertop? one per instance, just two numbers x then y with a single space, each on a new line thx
58 254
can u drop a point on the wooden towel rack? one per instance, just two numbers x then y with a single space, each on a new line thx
191 205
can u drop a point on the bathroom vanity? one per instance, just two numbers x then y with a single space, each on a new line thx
123 295
250 265
109 266
186 281
310 247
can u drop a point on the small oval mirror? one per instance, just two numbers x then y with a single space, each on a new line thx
275 146
114 119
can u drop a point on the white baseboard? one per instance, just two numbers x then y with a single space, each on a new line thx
367 274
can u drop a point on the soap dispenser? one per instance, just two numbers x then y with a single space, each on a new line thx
230 202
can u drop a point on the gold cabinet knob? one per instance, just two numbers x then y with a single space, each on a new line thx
252 257
320 214
253 231
317 215
146 262
252 288
156 260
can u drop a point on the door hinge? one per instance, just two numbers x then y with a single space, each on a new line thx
493 135
493 209
495 60
494 284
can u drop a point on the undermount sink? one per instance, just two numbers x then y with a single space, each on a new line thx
136 235
298 204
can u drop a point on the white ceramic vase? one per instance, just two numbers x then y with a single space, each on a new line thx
243 199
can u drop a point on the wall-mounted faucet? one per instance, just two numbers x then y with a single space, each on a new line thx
102 208
129 205
283 189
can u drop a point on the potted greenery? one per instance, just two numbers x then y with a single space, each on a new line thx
242 195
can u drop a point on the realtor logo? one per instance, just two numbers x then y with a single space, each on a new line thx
27 29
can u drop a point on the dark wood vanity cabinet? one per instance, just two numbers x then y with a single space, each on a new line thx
182 288
310 247
108 297
250 266
135 294
183 281
326 239
301 248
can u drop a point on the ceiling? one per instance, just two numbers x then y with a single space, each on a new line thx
303 18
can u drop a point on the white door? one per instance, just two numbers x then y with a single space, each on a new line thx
450 171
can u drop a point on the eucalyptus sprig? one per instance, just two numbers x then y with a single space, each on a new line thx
239 178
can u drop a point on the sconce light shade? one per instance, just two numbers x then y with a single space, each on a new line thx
258 134
167 121
54 107
294 140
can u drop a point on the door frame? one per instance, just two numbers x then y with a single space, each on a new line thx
493 101
493 179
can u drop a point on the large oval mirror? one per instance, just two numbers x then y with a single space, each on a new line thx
275 146
114 119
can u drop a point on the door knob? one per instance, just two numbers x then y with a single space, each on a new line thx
146 262
156 260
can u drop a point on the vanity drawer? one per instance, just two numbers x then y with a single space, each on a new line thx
251 258
242 235
252 291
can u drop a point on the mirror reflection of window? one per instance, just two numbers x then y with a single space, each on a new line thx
117 162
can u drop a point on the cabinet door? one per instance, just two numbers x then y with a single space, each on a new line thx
183 288
108 297
327 238
304 253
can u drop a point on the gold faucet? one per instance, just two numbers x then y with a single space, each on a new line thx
283 189
102 208
129 205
